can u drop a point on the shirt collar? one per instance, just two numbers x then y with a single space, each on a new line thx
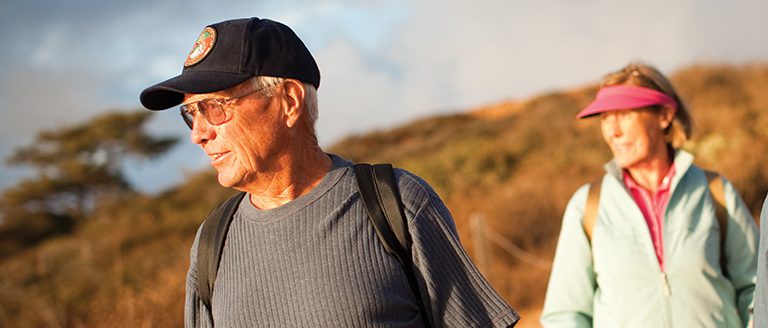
666 183
682 162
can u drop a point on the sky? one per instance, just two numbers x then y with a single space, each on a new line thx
382 63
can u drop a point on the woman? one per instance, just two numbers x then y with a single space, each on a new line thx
651 254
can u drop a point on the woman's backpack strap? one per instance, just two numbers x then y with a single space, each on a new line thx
590 211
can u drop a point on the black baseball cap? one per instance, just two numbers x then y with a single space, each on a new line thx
230 52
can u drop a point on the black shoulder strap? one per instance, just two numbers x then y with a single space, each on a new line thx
383 206
381 197
211 244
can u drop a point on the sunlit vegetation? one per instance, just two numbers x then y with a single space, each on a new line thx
120 260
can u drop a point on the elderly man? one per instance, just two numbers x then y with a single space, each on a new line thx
300 250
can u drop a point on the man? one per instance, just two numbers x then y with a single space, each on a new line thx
301 250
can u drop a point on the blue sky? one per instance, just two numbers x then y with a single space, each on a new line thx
382 62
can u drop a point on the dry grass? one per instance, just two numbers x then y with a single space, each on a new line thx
515 164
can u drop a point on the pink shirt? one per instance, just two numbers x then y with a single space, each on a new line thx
653 206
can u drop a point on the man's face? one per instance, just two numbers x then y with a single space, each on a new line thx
246 147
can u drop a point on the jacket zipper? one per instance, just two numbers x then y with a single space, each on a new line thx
665 284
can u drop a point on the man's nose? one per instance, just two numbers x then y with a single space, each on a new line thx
201 130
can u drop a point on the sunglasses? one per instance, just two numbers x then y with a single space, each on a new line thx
214 110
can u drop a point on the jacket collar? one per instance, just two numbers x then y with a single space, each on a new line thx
683 161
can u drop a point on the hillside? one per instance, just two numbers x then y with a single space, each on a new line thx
515 164
511 165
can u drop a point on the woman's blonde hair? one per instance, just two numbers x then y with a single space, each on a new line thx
647 76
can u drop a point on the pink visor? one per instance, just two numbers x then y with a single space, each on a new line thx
623 97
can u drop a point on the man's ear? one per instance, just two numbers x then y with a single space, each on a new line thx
293 101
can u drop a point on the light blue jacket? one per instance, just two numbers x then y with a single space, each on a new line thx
618 282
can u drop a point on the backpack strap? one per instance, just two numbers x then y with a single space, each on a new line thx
590 211
381 197
715 185
211 244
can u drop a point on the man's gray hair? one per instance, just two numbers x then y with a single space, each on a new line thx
267 83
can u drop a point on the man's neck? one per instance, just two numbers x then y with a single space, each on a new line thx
297 175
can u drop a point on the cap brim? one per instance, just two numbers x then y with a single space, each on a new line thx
171 92
606 102
625 97
596 108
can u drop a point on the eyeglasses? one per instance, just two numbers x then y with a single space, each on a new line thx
212 109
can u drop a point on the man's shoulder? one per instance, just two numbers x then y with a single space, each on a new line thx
415 192
406 180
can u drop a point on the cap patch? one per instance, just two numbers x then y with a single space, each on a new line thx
202 46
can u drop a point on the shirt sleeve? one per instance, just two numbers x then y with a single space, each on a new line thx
761 289
571 289
741 251
196 315
459 295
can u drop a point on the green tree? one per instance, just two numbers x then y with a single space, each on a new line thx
77 167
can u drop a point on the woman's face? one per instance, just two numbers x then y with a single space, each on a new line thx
635 136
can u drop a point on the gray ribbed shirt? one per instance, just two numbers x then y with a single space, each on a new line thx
317 262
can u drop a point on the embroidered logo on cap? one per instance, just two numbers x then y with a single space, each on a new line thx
202 46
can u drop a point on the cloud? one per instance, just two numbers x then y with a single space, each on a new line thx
382 62
48 51
35 100
469 53
353 96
